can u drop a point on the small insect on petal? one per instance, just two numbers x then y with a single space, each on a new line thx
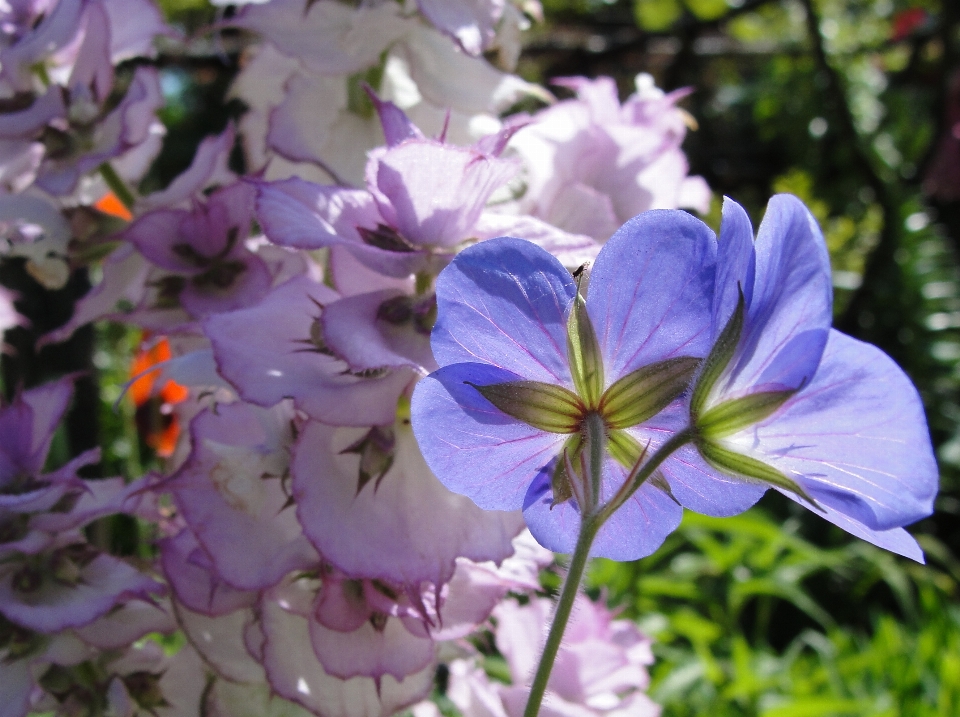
550 408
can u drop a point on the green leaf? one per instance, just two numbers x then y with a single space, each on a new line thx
708 9
542 405
719 358
583 351
817 707
358 101
732 416
642 394
740 465
656 14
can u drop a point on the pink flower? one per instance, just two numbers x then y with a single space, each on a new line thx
593 163
601 670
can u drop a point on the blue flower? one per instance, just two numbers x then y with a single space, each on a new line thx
695 374
786 401
508 316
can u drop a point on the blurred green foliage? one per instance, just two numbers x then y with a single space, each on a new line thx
750 618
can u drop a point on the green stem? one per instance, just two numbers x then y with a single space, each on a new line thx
591 521
597 445
571 586
641 473
117 185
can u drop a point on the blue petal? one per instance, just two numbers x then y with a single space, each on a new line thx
736 263
706 490
856 438
791 307
473 448
636 530
896 540
651 290
504 302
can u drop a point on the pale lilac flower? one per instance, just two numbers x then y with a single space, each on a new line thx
51 579
601 669
222 641
190 571
424 199
233 491
203 253
75 45
592 163
472 23
370 628
236 699
128 623
276 350
126 273
371 507
305 119
294 672
40 33
129 135
27 425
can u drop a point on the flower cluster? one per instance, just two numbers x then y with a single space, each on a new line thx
296 544
601 670
379 387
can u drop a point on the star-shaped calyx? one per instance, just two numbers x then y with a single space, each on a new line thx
594 417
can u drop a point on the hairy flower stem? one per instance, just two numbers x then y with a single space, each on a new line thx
590 525
571 586
117 185
596 437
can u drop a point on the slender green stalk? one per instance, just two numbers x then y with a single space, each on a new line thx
117 185
592 520
597 446
641 473
571 586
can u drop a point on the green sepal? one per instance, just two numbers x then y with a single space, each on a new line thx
739 413
642 394
625 449
659 481
583 351
550 408
562 480
740 465
376 450
719 358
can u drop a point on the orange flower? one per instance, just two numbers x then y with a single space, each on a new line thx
156 421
